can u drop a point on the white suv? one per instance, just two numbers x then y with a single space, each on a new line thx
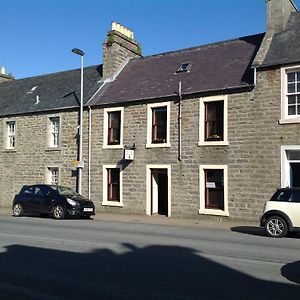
282 213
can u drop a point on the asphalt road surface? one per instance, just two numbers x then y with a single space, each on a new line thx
42 258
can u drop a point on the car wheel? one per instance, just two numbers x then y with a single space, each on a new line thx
276 227
58 212
18 210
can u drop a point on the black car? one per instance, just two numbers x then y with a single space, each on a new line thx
59 201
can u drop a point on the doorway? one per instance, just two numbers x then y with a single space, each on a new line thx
158 190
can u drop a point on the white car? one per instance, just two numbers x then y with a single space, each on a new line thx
282 213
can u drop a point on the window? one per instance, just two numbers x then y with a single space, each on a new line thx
159 124
158 129
52 175
290 95
213 121
54 132
114 122
184 68
112 185
113 128
11 134
213 190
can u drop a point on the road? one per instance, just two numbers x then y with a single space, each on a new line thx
42 258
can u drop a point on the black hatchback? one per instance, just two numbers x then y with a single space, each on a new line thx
59 201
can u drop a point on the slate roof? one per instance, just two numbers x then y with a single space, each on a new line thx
56 91
218 66
285 46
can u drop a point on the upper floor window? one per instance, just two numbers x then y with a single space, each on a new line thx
54 132
113 128
213 121
11 134
158 125
290 94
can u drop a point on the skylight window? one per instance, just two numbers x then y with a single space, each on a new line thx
184 68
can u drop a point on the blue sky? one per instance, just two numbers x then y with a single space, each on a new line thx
37 36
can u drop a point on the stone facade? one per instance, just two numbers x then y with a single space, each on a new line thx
27 163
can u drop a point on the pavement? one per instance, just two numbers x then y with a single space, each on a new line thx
201 222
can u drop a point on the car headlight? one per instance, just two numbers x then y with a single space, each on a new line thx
72 202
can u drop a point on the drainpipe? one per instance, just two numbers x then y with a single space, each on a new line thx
90 152
179 121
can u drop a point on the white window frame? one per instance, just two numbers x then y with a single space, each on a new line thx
149 125
51 132
105 128
105 202
202 103
285 118
49 174
202 209
10 134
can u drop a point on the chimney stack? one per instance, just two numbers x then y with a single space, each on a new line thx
278 13
119 47
4 77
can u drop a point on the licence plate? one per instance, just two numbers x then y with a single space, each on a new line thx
87 209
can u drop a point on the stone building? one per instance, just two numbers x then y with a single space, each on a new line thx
209 130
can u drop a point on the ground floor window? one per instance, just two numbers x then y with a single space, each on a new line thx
213 190
112 185
52 176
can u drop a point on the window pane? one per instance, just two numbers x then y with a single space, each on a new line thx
114 123
113 185
295 196
298 87
291 77
291 110
292 99
298 76
214 189
214 121
291 88
159 124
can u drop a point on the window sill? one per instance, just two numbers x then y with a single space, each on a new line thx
214 212
112 203
53 149
113 146
289 121
213 143
9 150
162 145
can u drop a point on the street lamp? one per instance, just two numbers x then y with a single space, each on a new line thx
80 164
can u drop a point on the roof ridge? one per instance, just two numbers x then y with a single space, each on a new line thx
53 73
200 46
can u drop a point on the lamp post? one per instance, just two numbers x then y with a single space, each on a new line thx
80 164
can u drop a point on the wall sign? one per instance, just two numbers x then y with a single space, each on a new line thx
128 154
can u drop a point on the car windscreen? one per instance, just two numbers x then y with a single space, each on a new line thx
65 191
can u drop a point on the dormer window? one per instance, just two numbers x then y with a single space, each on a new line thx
184 68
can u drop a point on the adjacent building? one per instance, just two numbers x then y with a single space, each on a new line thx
209 130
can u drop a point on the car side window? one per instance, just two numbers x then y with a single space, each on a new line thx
295 196
41 191
27 190
283 196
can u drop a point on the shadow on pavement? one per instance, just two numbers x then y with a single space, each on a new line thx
291 271
252 230
154 272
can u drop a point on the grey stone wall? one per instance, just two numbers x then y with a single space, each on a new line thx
252 156
27 163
